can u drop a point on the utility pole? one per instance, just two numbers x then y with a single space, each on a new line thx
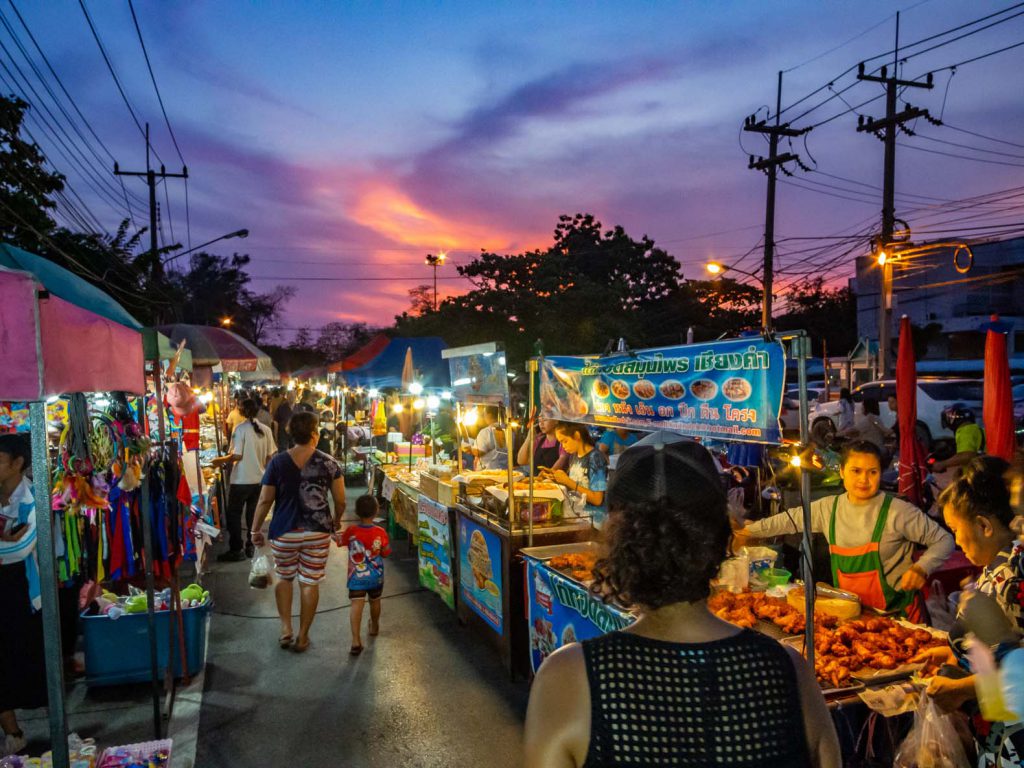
770 166
886 130
156 270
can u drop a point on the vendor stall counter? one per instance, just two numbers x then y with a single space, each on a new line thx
491 577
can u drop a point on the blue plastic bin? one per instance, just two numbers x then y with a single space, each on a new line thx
117 651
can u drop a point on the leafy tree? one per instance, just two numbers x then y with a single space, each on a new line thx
262 310
827 314
338 340
27 188
590 286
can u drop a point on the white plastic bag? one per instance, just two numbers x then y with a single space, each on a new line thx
933 741
260 570
938 607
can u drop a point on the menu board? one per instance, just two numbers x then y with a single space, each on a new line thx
727 390
480 574
561 611
435 549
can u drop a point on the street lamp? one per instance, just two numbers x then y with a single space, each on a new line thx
226 322
717 269
435 262
238 233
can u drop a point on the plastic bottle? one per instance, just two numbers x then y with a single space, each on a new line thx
988 683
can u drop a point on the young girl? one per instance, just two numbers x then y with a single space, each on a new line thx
977 509
587 478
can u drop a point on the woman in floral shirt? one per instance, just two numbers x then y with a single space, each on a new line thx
977 510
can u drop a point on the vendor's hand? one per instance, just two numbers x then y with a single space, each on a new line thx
933 658
951 694
258 539
913 579
560 477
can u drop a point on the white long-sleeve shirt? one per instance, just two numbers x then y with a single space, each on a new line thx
906 526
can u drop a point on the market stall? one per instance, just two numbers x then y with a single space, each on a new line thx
61 335
728 390
494 516
108 516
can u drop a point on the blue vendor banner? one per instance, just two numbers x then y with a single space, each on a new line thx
480 572
727 390
562 611
435 549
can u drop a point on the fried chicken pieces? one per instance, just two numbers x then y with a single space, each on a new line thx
840 649
877 644
579 566
745 608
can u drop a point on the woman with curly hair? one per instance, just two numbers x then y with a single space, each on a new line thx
679 687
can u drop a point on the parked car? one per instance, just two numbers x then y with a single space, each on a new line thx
933 395
790 415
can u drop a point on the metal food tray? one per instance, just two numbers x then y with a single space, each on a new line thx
546 553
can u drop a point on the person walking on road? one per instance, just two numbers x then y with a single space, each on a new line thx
252 445
368 545
300 484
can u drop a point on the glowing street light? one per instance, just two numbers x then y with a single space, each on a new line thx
435 262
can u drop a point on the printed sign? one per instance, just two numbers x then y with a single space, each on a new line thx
480 572
560 612
479 374
435 549
729 390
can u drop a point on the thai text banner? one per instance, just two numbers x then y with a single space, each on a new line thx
726 390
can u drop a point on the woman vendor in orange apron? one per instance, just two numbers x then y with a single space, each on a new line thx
871 536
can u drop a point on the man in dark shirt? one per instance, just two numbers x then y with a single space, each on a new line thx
282 416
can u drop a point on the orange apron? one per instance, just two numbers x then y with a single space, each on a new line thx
860 570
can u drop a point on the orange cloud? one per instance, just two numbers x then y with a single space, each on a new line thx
392 213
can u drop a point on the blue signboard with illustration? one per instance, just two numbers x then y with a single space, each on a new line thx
561 611
480 572
479 373
435 549
728 390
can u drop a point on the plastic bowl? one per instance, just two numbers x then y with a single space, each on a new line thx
775 577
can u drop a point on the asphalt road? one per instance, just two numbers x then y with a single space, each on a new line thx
425 692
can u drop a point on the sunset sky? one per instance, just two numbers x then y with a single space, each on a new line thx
352 139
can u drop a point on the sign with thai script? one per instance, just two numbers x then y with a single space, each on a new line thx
480 575
727 390
435 549
561 611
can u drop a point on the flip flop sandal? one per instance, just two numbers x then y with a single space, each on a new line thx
302 648
285 641
355 650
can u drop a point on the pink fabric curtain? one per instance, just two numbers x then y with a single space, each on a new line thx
81 351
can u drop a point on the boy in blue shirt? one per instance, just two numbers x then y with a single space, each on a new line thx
368 545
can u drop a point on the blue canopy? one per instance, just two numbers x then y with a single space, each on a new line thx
385 370
67 285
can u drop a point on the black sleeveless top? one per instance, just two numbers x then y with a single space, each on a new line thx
726 703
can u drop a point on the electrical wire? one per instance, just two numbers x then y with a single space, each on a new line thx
982 136
53 96
959 157
117 80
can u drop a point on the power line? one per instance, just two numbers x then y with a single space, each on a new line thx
982 136
960 157
113 74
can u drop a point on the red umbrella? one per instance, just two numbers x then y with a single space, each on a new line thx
998 398
912 458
